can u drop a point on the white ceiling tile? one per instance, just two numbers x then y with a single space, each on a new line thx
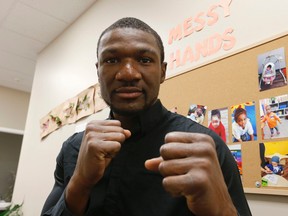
20 45
17 63
5 6
15 80
30 22
26 27
73 8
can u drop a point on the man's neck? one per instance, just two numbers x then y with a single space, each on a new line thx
127 122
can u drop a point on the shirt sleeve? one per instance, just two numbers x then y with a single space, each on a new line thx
55 203
59 209
235 131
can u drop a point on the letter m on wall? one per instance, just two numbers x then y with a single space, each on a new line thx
175 34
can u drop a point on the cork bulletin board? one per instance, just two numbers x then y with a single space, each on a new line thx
225 83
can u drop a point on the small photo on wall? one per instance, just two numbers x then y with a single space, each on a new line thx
197 113
237 154
272 69
218 122
274 163
243 122
274 117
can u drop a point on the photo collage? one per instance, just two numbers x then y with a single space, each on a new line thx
241 121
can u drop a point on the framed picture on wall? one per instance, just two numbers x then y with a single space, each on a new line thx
218 122
274 117
243 122
197 113
272 69
274 163
237 155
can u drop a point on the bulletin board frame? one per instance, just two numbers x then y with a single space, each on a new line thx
223 83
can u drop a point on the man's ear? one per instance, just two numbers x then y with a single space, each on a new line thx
97 68
163 71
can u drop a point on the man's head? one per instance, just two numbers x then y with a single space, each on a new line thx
130 66
131 22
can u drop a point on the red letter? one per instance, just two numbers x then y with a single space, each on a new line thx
201 49
199 20
225 5
175 34
188 55
228 37
173 59
215 43
213 15
186 25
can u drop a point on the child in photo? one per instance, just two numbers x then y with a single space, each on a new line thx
242 129
197 113
192 114
269 74
216 124
274 167
272 120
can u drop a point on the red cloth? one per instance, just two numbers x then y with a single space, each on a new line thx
220 130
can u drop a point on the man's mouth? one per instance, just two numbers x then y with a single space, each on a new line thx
129 92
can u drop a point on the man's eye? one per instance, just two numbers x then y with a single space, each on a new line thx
145 60
111 61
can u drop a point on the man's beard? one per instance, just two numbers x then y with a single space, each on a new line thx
124 112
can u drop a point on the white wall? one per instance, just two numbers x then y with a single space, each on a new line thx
64 69
13 109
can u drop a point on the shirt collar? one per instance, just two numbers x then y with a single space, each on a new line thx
148 118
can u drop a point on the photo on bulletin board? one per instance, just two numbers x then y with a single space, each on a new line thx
197 113
274 117
272 69
243 122
218 122
274 163
236 152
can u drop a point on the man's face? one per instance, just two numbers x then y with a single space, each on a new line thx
129 70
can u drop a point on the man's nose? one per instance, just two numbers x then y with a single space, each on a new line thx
128 72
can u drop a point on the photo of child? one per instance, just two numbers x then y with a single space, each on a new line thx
272 69
237 154
274 117
269 74
274 166
218 122
243 122
197 113
274 163
272 120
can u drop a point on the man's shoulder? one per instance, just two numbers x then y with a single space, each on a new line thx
74 141
185 124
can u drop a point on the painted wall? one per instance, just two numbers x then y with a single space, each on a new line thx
67 66
14 108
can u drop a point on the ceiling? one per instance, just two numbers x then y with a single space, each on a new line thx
26 28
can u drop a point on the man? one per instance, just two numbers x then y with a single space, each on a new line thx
143 160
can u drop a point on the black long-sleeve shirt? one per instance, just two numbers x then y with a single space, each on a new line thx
127 187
